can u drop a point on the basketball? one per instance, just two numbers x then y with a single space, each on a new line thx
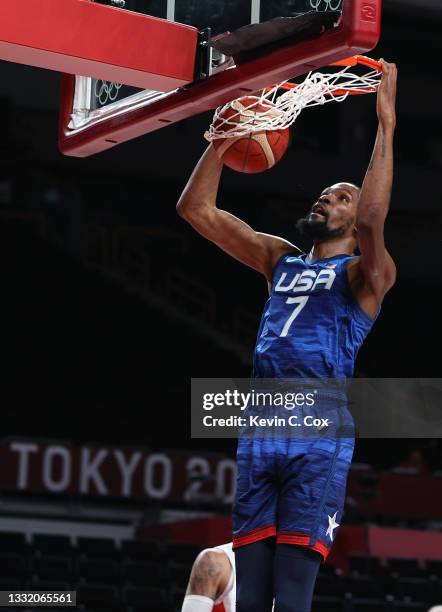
257 151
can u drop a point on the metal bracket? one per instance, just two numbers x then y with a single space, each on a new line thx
209 60
204 55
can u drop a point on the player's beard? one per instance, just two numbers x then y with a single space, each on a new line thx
318 229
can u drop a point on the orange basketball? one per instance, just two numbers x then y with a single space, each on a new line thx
257 151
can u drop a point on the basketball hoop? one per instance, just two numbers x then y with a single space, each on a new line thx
285 101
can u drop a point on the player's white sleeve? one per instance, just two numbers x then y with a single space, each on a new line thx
197 603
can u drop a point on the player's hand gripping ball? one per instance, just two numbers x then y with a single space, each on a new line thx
257 151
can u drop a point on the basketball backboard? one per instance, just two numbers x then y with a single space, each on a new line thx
223 15
95 99
220 15
132 69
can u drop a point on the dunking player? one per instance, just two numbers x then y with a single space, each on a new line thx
322 305
212 585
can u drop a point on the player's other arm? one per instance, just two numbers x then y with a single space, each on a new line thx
378 268
197 205
209 578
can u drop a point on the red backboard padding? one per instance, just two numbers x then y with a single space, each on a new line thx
90 39
358 32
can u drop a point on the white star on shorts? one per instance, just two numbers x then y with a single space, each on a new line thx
332 524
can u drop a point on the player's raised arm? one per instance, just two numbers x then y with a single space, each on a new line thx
197 205
377 266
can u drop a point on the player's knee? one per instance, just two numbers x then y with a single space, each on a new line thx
206 574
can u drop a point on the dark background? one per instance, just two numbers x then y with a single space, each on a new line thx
110 303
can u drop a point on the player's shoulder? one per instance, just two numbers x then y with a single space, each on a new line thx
226 548
289 255
278 247
227 551
355 271
216 557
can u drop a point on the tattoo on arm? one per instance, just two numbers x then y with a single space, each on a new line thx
383 151
384 146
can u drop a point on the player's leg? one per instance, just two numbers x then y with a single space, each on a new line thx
313 476
210 573
307 474
295 572
254 525
254 576
312 499
310 510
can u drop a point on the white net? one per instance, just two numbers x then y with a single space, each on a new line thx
278 107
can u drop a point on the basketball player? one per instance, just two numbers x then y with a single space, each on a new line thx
322 305
212 585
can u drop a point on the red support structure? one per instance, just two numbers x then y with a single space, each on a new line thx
81 37
357 33
86 38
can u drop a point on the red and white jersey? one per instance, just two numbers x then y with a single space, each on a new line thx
226 602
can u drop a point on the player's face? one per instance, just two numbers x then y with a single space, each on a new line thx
333 214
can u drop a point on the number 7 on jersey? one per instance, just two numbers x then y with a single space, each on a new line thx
301 302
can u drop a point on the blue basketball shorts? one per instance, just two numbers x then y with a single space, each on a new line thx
292 487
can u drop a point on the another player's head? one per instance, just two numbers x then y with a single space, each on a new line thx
333 215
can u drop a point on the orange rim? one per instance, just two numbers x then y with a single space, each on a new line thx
362 60
355 60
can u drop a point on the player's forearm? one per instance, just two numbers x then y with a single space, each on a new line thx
376 190
202 188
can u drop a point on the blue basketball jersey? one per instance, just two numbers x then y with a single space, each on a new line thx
312 325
